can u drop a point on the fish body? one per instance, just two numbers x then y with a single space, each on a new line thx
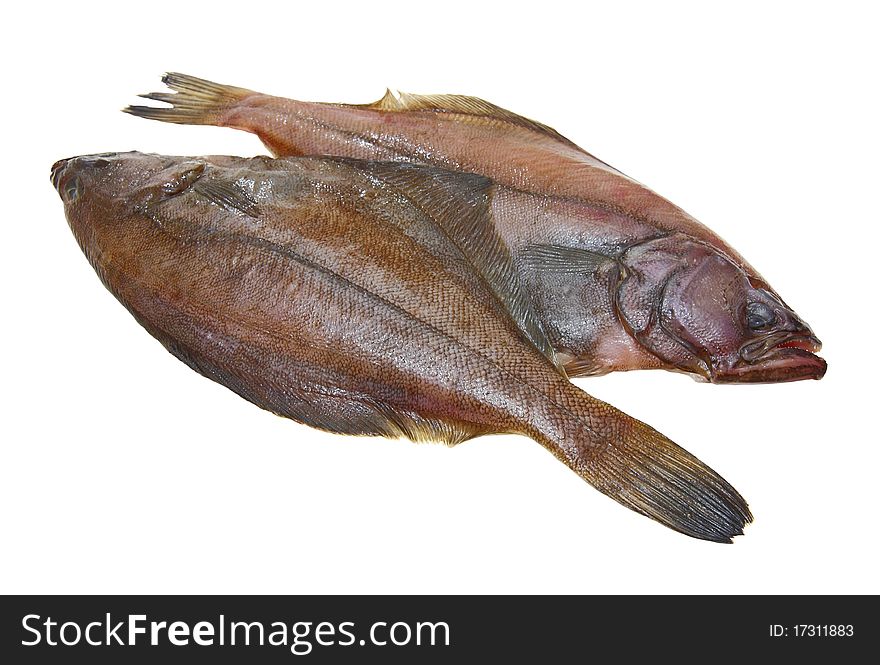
619 277
334 292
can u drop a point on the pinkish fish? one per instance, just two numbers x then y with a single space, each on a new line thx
620 278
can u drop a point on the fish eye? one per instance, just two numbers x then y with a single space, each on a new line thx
759 316
72 189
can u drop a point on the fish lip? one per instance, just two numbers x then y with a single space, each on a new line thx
759 349
777 358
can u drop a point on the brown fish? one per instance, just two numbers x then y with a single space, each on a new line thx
334 292
620 277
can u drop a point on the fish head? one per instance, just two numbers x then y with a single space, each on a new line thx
104 194
701 313
128 180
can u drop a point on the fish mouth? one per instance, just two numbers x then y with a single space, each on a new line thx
776 358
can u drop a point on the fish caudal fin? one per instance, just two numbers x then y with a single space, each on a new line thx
194 102
643 470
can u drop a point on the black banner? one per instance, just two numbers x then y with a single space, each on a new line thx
427 629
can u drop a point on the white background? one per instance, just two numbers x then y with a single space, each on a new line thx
124 471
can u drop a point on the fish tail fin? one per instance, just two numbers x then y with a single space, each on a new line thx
195 101
640 468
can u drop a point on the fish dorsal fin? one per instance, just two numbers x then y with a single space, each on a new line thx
560 259
461 105
460 205
389 102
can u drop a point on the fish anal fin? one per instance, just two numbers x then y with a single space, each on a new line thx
359 415
331 410
460 204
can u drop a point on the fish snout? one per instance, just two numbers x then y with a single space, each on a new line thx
66 174
66 181
791 323
58 169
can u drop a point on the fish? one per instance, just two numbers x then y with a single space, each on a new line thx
339 293
620 278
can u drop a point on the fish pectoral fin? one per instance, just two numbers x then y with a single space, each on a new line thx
474 107
560 259
580 367
228 195
196 102
460 204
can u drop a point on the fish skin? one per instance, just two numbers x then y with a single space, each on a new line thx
549 193
321 290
